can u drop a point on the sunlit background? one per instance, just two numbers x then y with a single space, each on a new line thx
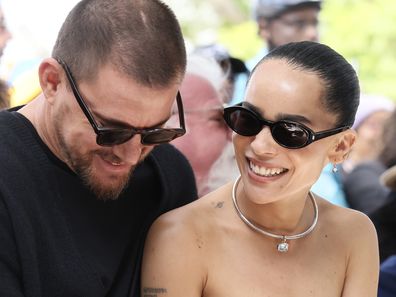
363 31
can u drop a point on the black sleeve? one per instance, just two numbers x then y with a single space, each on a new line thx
179 177
10 274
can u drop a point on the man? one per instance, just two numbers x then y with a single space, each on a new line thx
5 36
280 22
283 21
85 167
207 134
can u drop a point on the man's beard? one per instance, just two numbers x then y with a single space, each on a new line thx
82 166
110 191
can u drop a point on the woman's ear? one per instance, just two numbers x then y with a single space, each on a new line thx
342 146
50 74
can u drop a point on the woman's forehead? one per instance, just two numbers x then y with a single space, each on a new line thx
277 88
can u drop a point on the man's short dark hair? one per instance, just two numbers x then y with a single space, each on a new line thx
140 38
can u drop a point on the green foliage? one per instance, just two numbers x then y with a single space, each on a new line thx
241 39
361 30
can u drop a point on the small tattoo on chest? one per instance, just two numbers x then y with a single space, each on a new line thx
219 204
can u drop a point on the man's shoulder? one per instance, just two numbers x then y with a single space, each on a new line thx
168 152
172 163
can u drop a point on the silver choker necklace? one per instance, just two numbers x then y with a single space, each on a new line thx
283 246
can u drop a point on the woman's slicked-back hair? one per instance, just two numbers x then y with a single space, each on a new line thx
140 38
340 81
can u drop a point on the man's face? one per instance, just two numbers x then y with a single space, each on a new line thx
5 35
292 26
207 133
115 100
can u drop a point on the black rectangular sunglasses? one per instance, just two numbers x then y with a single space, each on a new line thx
289 134
109 136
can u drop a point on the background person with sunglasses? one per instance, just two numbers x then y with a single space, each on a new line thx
85 167
207 134
280 22
267 234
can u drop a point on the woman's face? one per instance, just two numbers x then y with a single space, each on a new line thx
270 171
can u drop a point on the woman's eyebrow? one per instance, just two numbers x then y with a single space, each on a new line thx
253 107
293 117
281 116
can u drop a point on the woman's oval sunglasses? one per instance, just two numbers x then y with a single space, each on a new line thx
289 134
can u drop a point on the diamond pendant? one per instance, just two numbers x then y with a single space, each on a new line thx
283 247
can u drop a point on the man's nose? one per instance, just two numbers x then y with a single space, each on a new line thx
311 32
130 151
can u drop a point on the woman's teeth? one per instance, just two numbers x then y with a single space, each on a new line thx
267 172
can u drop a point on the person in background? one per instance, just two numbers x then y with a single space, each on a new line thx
387 278
231 66
369 157
385 222
280 22
5 36
207 134
86 166
267 234
384 217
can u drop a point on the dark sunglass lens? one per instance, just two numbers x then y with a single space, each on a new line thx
289 135
160 136
108 138
242 122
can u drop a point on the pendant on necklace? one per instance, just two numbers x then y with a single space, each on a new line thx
283 247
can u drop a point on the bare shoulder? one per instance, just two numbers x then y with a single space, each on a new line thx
176 248
345 223
192 220
351 235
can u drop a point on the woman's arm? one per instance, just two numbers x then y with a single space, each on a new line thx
172 262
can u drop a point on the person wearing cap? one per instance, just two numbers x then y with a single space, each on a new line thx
280 22
369 156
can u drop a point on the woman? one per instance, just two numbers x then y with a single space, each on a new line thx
267 234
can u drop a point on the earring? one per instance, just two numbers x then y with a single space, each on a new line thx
335 169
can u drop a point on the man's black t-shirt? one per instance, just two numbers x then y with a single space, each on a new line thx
56 238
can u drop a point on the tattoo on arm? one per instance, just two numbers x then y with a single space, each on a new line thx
153 292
